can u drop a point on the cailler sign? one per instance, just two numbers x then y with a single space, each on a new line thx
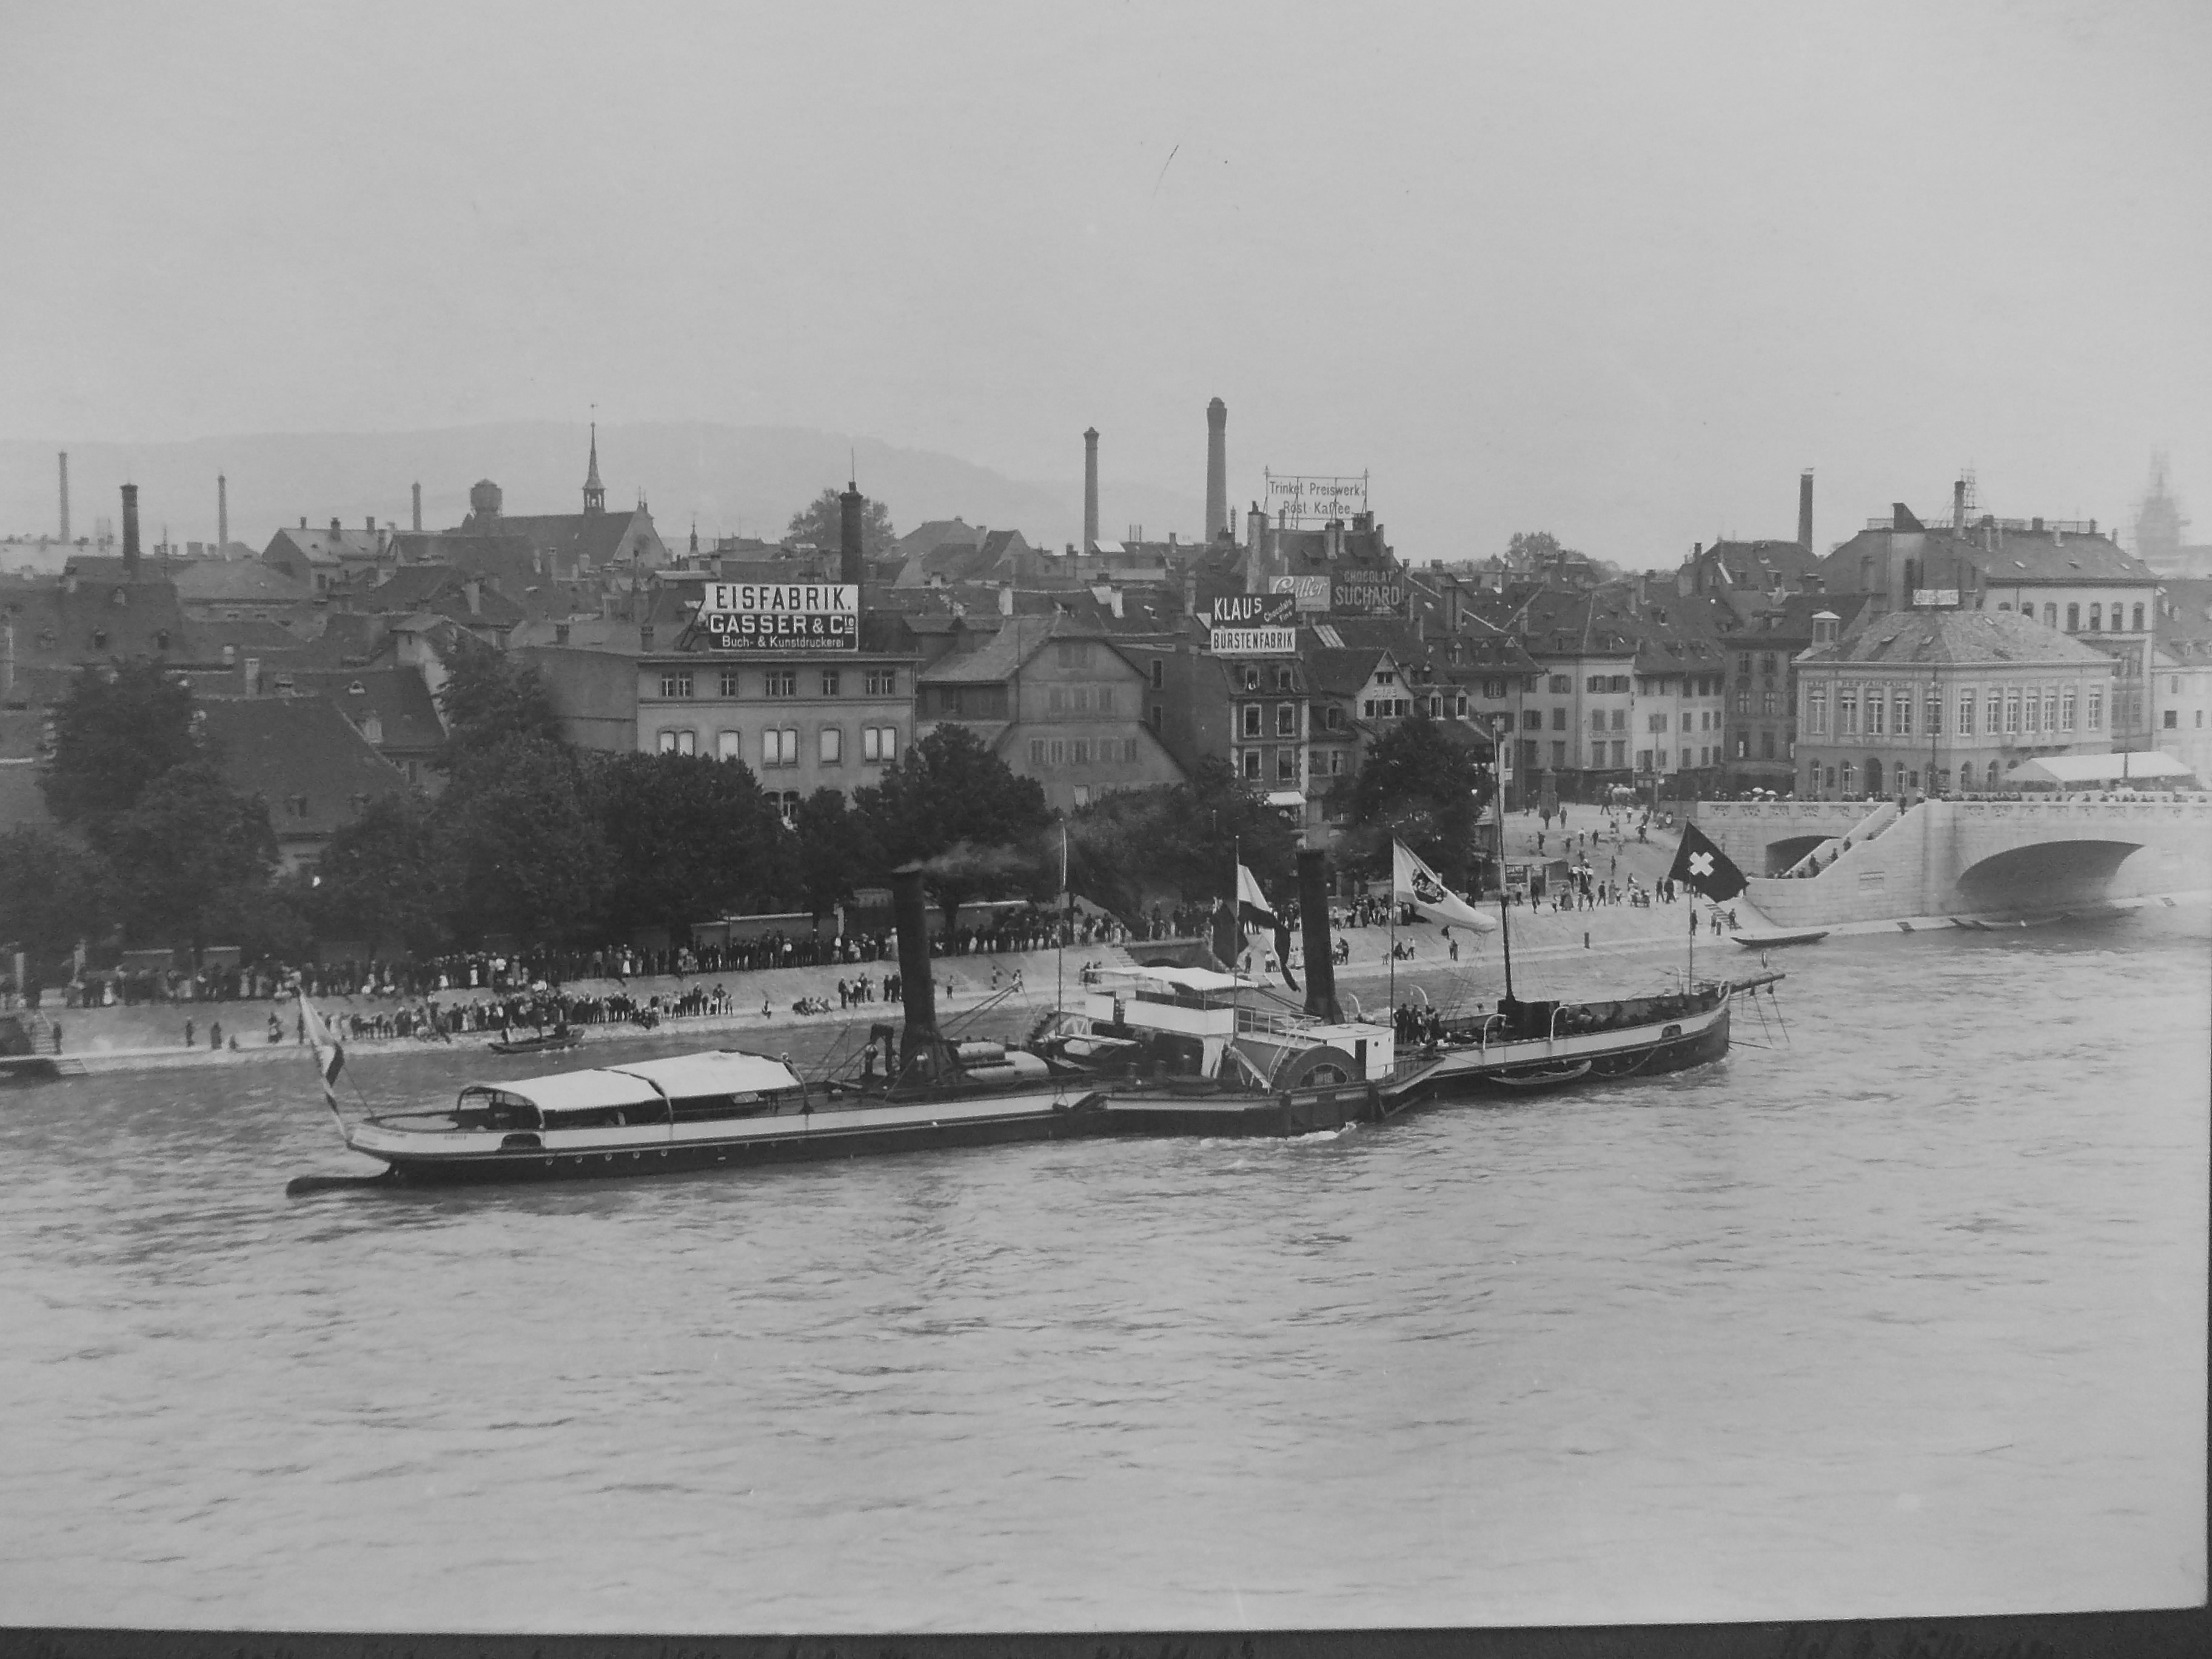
1310 592
781 616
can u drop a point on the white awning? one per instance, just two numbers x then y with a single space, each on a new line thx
721 1072
573 1091
1200 980
1287 797
2083 769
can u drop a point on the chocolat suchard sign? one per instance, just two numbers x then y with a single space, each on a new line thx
1254 625
781 616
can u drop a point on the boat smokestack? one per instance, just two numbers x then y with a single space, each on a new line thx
910 917
1313 913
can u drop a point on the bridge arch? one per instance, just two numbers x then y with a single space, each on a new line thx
1781 855
2044 875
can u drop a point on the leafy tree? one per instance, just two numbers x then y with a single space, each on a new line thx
1530 548
112 738
186 856
688 837
489 699
51 894
837 847
377 878
1126 847
821 522
519 849
1421 784
952 804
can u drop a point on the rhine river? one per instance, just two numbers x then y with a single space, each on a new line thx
1905 1318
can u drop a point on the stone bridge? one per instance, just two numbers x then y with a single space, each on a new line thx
1958 857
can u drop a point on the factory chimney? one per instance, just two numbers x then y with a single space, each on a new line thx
66 535
852 559
222 516
1958 506
418 509
1216 470
130 532
1090 489
1805 509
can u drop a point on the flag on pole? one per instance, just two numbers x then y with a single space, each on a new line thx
1412 880
330 1055
1703 868
1252 904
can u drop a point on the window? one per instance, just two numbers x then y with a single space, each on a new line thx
787 804
1847 711
1559 755
1056 752
2138 628
830 744
2028 720
1055 700
2096 618
2049 709
779 747
675 682
1742 747
729 745
2173 719
1766 744
1934 712
1743 699
1336 762
1282 676
1073 653
1901 711
1286 766
666 740
1618 683
879 744
1993 712
1742 663
1850 778
2011 708
1597 754
1816 710
1877 711
1287 720
1252 719
1966 711
1252 764
1644 760
781 682
1078 752
1596 683
1560 682
1559 718
1620 719
729 683
2097 709
1770 701
1159 674
2066 709
1105 699
1597 719
1620 753
2073 618
830 682
1766 664
1459 706
1128 751
1385 676
1079 699
881 682
1494 691
2051 615
1658 723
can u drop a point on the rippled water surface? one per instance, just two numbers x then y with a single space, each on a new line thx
1907 1317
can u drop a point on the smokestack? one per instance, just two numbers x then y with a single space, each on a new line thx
852 559
418 509
1216 470
130 532
1957 505
7 655
1090 489
222 515
910 917
1805 509
66 535
1313 911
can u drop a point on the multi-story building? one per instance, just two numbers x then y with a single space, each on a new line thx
1942 701
2181 674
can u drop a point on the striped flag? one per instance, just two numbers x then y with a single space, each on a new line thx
330 1055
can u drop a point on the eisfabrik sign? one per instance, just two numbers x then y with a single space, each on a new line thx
781 616
1368 593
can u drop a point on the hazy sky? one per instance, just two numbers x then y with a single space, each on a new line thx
1620 271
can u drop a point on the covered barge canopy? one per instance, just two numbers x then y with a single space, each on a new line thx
680 1076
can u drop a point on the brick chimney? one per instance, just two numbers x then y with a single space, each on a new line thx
851 556
130 532
1216 469
66 535
1090 489
418 509
1957 505
1805 509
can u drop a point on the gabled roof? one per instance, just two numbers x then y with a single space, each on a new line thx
99 622
1342 671
934 533
564 537
321 544
284 749
397 696
237 582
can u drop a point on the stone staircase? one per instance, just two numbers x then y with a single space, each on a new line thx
1823 857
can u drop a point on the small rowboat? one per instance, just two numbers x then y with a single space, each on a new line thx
1761 941
552 1041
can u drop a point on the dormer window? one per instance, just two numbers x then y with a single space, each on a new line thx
357 690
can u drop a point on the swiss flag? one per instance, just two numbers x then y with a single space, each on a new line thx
1703 868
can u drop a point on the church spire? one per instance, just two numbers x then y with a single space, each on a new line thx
595 494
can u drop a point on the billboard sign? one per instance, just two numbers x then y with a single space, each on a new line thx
781 616
1934 599
1310 593
1254 625
1314 497
1368 592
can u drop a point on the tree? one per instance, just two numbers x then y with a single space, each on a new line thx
836 848
489 699
186 856
377 878
1421 784
1127 846
113 737
51 894
1530 548
688 838
953 806
820 523
519 849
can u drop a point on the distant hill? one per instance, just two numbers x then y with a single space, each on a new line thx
748 479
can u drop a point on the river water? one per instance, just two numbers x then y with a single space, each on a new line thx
1905 1317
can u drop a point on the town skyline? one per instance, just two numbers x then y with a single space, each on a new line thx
1622 282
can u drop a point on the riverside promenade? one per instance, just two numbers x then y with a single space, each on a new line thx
1627 947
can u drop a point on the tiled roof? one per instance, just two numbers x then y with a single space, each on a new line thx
321 544
998 659
397 696
285 748
101 621
1341 671
214 581
1954 636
